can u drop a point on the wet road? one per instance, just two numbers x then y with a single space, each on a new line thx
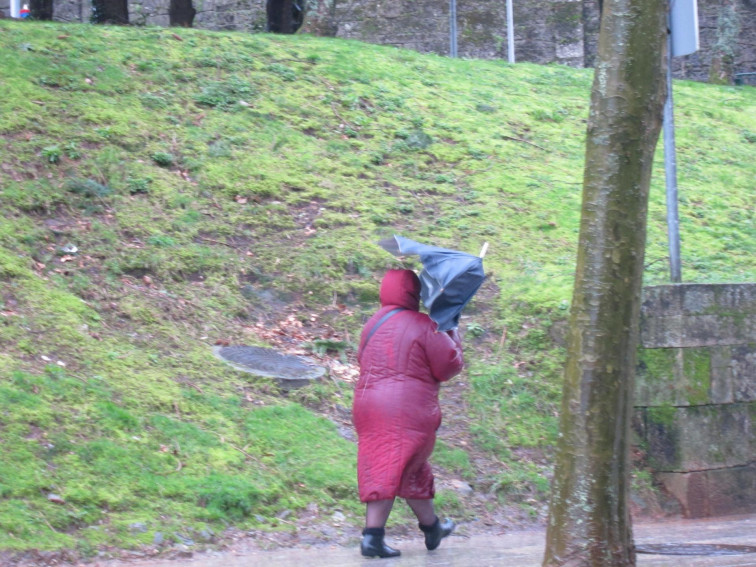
517 549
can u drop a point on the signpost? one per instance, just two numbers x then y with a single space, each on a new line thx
510 33
452 28
683 40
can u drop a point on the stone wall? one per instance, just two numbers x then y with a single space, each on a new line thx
546 31
696 394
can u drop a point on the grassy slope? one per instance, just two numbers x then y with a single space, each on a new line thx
218 185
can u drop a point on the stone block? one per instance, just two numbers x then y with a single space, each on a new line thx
743 372
682 331
716 492
696 376
699 299
697 438
693 315
673 376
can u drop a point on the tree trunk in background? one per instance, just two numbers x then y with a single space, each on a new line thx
181 13
280 16
723 51
110 12
41 9
589 521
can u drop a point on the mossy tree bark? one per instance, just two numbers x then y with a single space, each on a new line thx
589 520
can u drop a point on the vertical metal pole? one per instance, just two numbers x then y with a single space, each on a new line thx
15 8
453 28
670 167
510 32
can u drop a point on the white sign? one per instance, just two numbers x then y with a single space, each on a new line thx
683 23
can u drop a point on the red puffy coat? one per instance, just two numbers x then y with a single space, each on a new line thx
396 410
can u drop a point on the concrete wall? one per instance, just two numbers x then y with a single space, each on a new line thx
696 394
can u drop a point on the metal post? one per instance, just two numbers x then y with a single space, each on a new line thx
15 8
670 167
453 28
510 32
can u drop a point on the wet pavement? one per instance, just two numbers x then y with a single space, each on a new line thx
729 534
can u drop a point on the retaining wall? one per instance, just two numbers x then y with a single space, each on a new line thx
696 394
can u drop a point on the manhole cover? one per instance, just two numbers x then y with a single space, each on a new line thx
710 549
289 371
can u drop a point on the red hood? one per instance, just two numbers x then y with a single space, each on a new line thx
401 288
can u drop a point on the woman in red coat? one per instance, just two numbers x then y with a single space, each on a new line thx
403 360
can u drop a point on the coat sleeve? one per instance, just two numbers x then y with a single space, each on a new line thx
444 351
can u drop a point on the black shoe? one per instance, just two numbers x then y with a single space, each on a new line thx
438 531
372 544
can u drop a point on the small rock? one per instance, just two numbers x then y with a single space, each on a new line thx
462 487
206 535
184 540
347 433
138 527
158 539
183 552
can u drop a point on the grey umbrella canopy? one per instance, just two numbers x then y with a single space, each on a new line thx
449 278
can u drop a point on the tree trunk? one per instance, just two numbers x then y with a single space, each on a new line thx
110 12
284 16
181 13
722 66
41 9
589 521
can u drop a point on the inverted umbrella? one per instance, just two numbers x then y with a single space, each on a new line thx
448 281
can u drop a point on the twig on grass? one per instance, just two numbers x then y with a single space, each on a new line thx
218 242
505 137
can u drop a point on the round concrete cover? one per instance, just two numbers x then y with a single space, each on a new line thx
289 370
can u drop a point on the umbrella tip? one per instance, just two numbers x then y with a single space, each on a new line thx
483 250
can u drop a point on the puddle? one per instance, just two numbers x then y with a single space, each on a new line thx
709 549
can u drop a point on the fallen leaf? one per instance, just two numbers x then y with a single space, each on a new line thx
55 499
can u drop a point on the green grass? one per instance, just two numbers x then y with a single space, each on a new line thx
228 179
